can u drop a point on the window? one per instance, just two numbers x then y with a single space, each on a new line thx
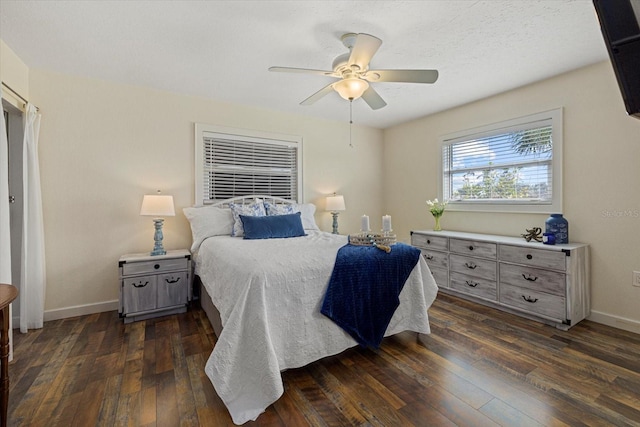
234 162
513 166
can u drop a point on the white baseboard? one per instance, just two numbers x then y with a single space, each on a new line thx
80 310
615 321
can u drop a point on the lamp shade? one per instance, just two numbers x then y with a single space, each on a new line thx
335 203
351 88
157 205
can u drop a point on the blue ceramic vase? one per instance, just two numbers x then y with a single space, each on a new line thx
559 226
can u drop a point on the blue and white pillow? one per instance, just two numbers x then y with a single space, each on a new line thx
253 209
281 209
307 211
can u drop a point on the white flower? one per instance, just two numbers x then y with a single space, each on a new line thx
436 208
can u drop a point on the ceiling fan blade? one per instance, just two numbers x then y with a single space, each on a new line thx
372 98
319 94
363 50
402 76
303 70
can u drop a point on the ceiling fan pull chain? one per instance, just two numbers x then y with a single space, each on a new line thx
350 121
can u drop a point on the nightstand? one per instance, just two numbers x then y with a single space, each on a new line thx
152 286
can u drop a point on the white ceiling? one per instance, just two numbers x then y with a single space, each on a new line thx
222 49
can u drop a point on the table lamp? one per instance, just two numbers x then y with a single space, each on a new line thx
334 204
157 205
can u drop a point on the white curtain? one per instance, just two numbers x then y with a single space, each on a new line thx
32 263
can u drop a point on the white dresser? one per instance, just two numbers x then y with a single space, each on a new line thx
549 283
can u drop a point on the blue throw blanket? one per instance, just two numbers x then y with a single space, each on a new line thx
364 288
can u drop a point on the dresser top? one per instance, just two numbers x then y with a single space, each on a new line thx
520 241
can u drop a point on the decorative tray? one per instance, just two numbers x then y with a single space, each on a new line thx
372 239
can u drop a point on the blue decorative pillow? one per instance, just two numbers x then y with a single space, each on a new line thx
271 227
254 209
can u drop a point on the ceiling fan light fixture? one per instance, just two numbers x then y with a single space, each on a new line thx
351 87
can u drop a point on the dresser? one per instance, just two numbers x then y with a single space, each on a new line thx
548 283
152 286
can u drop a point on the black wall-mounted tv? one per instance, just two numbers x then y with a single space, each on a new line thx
620 25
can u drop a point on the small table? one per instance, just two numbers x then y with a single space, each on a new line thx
7 294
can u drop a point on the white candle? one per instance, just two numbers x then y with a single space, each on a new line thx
386 223
364 223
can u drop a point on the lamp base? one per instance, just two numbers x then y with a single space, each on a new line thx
158 249
335 222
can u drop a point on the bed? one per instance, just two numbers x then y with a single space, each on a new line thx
263 299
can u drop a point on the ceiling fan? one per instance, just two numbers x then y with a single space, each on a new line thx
352 69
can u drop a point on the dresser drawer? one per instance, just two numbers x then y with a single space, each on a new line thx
436 259
473 248
144 267
533 278
476 267
473 286
427 241
441 277
539 303
532 256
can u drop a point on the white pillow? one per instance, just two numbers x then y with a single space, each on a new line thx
208 221
253 209
307 210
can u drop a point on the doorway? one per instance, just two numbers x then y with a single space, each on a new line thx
15 135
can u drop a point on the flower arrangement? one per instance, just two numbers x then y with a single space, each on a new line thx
437 210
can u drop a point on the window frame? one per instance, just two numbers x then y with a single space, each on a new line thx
244 135
512 206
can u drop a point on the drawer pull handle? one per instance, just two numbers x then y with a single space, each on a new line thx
529 278
471 266
529 256
472 284
470 247
529 299
140 285
429 257
157 266
172 281
428 242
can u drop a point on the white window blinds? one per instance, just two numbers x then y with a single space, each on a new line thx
512 163
240 165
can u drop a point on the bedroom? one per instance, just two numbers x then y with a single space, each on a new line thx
104 144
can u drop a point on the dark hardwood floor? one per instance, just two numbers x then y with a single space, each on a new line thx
479 367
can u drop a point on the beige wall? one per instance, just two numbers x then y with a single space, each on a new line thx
104 145
14 73
600 172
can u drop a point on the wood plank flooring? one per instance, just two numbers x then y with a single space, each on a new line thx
479 367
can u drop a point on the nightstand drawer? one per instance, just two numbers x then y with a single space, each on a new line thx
427 241
473 248
537 279
476 267
540 303
474 286
436 259
155 266
536 257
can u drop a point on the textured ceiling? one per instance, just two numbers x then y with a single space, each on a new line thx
222 49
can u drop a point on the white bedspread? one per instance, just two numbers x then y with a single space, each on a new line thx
269 294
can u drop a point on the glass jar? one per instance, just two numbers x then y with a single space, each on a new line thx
559 227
